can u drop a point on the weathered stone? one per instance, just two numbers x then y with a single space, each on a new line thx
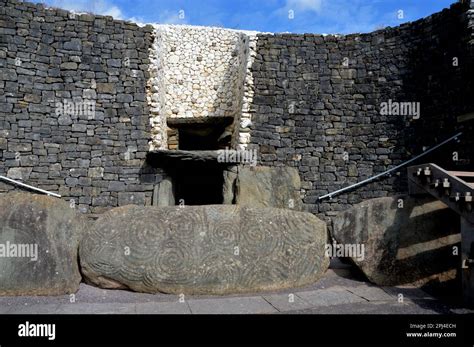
52 229
69 66
19 147
127 98
406 240
114 62
19 173
261 186
9 107
131 199
8 75
163 194
64 120
103 201
72 181
204 249
79 127
96 172
116 186
228 189
39 108
107 88
32 98
29 160
74 45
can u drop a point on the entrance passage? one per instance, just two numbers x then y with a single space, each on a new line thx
199 134
198 184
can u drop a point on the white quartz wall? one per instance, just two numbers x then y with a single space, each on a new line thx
241 138
198 72
157 95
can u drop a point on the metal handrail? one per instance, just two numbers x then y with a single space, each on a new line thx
29 187
330 195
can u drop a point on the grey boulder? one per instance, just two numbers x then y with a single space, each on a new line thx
216 249
406 240
39 240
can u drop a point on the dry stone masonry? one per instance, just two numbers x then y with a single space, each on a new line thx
84 98
317 104
52 63
107 114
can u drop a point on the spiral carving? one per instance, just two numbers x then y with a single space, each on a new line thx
204 249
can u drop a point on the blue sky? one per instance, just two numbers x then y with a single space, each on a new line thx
298 16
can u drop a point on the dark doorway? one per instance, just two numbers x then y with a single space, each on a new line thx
201 134
198 184
199 138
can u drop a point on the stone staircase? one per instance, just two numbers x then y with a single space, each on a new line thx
456 190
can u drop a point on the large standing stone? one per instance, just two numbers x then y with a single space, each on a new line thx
41 227
406 240
262 186
216 249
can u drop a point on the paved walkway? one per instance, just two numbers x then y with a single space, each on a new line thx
339 292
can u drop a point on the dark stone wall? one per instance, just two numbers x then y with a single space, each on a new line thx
317 104
48 56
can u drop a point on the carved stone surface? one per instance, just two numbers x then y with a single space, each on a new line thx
48 231
204 249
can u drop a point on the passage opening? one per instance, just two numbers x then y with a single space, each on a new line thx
199 184
199 134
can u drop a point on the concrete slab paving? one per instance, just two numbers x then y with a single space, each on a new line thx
4 309
243 305
410 293
372 293
87 308
376 307
163 308
287 302
330 297
35 309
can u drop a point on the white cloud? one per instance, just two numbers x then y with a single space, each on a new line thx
113 11
101 7
108 8
138 21
333 16
304 5
172 17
